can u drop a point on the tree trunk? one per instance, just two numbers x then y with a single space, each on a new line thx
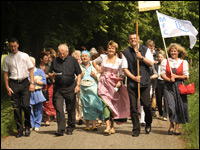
37 43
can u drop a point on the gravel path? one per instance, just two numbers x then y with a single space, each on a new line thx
122 139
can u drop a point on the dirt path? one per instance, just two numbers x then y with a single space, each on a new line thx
122 139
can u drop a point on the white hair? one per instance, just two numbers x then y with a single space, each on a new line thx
93 51
32 59
63 45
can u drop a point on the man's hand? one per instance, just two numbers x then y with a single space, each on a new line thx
138 55
77 89
10 91
31 87
138 78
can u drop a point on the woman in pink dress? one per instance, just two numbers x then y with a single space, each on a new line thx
48 107
111 89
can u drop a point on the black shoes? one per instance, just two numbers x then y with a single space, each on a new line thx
69 132
59 133
170 132
19 134
80 122
177 133
27 132
148 129
136 133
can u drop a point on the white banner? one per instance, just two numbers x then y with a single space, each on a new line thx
148 5
171 27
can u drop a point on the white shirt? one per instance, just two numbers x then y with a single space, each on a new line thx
159 75
17 65
174 64
112 67
148 55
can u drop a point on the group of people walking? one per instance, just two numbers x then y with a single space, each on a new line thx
106 84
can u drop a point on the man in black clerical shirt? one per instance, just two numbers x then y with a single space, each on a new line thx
63 70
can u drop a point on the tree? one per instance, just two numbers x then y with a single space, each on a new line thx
42 24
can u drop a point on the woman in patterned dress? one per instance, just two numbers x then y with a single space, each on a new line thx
48 107
176 102
111 89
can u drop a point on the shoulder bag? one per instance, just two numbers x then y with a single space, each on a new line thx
187 89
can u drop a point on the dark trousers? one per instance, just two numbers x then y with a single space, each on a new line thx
159 97
145 101
61 93
21 100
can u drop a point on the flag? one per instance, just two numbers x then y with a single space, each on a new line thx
171 27
148 5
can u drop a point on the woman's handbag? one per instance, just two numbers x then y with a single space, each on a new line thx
187 89
46 94
85 82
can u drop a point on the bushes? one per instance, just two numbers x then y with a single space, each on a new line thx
8 125
191 129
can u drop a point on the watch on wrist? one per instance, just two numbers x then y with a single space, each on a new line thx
32 83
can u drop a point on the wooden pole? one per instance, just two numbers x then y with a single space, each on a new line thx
138 65
167 54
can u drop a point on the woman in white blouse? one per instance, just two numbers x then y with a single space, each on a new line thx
176 102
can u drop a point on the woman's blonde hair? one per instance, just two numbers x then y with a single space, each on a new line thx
113 44
161 52
181 50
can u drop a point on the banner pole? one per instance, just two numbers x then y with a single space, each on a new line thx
166 54
138 65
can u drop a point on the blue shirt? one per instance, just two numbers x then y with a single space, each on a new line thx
37 96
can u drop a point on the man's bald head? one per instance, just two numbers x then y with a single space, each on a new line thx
63 51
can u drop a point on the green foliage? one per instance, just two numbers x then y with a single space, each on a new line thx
191 129
89 23
8 125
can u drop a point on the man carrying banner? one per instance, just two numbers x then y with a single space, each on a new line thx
129 65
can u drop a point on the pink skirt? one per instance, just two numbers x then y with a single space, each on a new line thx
118 101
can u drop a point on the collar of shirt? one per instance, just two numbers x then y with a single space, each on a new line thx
35 69
63 59
84 65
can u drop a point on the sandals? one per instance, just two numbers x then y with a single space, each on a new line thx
112 131
87 129
47 123
107 132
94 128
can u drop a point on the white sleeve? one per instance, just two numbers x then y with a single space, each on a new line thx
99 59
29 62
149 55
124 62
185 68
163 67
121 72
